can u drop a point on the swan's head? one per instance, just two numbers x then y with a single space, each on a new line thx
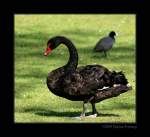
119 78
48 50
52 44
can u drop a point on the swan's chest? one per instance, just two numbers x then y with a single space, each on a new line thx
54 80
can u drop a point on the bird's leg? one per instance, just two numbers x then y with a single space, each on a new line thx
105 53
94 111
84 109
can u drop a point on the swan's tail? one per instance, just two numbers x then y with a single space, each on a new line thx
107 93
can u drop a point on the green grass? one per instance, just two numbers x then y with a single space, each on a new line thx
34 102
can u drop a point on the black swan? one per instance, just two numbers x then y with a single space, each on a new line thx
106 43
91 83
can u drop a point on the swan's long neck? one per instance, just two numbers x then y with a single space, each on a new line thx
73 59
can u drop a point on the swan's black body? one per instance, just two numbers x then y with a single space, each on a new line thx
82 83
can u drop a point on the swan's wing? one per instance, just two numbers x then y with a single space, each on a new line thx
91 71
72 83
92 76
85 81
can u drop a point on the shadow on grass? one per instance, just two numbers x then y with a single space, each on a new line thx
125 106
81 33
108 115
50 113
38 74
125 50
72 114
35 42
33 36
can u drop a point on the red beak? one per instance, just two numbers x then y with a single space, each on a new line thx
47 51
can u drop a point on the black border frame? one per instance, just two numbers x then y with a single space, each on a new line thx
45 7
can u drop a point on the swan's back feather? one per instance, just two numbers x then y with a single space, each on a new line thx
84 81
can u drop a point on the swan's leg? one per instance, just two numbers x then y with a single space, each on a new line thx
94 111
84 109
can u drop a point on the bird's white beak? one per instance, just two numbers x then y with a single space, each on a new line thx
129 86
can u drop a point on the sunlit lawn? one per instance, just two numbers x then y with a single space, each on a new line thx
33 101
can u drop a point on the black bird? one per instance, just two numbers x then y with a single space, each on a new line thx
84 83
106 43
